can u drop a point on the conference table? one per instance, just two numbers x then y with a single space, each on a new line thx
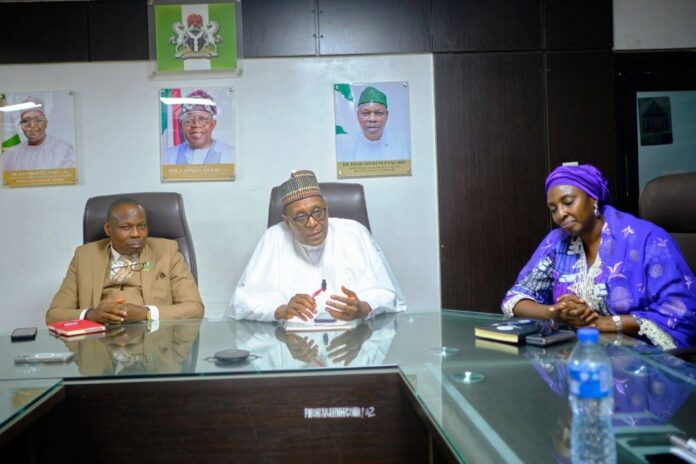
411 387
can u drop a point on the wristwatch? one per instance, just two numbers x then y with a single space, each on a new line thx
619 324
148 318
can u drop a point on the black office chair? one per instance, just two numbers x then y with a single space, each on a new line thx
166 218
344 201
670 202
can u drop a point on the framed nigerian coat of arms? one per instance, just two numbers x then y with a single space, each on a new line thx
195 37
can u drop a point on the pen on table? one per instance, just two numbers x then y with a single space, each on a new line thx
323 288
688 444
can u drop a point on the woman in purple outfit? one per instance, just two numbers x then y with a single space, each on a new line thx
605 268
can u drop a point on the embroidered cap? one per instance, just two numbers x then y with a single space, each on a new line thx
302 184
206 104
372 95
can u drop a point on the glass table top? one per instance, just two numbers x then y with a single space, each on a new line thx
16 396
490 401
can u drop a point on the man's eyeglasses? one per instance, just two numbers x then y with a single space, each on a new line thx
36 121
135 267
302 219
201 120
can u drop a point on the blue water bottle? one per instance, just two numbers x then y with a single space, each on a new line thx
591 393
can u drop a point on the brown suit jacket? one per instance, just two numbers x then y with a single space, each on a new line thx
169 284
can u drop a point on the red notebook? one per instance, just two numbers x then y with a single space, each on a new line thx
77 327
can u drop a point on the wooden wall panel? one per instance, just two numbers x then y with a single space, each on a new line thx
581 110
474 25
44 32
369 26
279 28
118 30
491 168
576 24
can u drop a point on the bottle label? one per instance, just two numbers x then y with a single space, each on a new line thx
586 383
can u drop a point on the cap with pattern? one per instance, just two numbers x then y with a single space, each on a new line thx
372 95
302 184
206 103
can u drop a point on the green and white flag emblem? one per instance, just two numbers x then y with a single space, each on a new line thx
200 37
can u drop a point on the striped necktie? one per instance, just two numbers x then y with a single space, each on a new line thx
121 269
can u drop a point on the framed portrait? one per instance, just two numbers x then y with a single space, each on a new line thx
37 131
194 37
373 135
197 139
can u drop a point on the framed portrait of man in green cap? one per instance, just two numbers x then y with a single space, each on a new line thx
373 136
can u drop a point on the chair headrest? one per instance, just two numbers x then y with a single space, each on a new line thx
670 202
345 200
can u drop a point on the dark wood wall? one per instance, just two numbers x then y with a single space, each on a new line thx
520 86
52 32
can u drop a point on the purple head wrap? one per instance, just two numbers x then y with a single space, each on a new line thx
586 177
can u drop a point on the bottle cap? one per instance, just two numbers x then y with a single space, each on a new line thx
588 335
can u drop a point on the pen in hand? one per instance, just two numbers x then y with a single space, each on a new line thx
322 289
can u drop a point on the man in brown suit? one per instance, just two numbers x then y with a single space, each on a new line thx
127 277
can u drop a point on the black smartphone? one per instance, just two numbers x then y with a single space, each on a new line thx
23 334
555 337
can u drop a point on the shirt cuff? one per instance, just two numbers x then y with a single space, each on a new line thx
154 314
510 303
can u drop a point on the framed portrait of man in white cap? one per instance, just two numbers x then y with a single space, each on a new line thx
373 136
197 134
37 132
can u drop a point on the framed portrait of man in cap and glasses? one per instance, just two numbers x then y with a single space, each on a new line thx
197 134
37 132
373 136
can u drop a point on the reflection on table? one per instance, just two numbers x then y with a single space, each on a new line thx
497 402
489 401
362 346
130 349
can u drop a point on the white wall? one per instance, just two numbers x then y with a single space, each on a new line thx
654 25
284 122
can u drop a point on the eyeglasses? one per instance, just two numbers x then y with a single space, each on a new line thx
135 267
191 120
28 121
303 219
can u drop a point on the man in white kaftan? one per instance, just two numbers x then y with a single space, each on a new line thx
311 263
52 153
